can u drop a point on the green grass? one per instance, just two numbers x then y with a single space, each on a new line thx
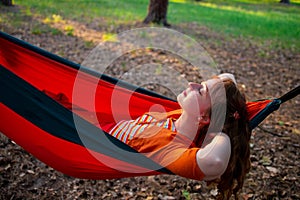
260 20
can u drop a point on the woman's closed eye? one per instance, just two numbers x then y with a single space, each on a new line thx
200 92
202 89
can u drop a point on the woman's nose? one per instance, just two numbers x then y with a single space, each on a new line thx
195 86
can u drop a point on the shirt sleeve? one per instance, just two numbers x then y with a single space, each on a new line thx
186 165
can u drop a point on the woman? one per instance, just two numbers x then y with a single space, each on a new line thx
208 139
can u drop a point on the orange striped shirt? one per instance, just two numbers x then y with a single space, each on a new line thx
126 130
155 135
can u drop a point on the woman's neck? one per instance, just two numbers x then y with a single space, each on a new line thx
187 125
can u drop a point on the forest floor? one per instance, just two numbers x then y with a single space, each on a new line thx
261 71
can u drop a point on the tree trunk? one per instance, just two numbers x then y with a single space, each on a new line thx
7 2
285 1
157 12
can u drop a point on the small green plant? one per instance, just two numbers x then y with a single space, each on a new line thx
186 194
88 44
61 53
36 31
55 31
265 160
124 66
28 12
281 123
158 69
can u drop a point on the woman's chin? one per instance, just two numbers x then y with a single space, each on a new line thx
179 98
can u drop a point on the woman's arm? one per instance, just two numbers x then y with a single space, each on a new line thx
214 157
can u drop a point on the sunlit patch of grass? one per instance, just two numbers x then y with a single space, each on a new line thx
178 1
61 25
234 9
54 19
57 18
69 29
109 37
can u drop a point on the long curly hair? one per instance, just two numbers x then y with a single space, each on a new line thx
237 128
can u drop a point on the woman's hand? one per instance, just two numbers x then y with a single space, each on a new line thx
214 157
227 76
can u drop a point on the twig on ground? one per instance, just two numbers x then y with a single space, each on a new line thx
270 132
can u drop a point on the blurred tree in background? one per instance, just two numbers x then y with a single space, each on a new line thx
285 1
7 2
157 12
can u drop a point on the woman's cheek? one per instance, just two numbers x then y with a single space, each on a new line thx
180 99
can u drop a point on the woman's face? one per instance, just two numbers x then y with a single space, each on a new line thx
195 100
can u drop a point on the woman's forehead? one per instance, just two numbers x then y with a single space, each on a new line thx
211 82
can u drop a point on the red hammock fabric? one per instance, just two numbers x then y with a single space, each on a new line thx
30 76
57 80
254 107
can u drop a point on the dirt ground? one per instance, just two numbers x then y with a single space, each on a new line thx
261 72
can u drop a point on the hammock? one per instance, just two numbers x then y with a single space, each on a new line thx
39 112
